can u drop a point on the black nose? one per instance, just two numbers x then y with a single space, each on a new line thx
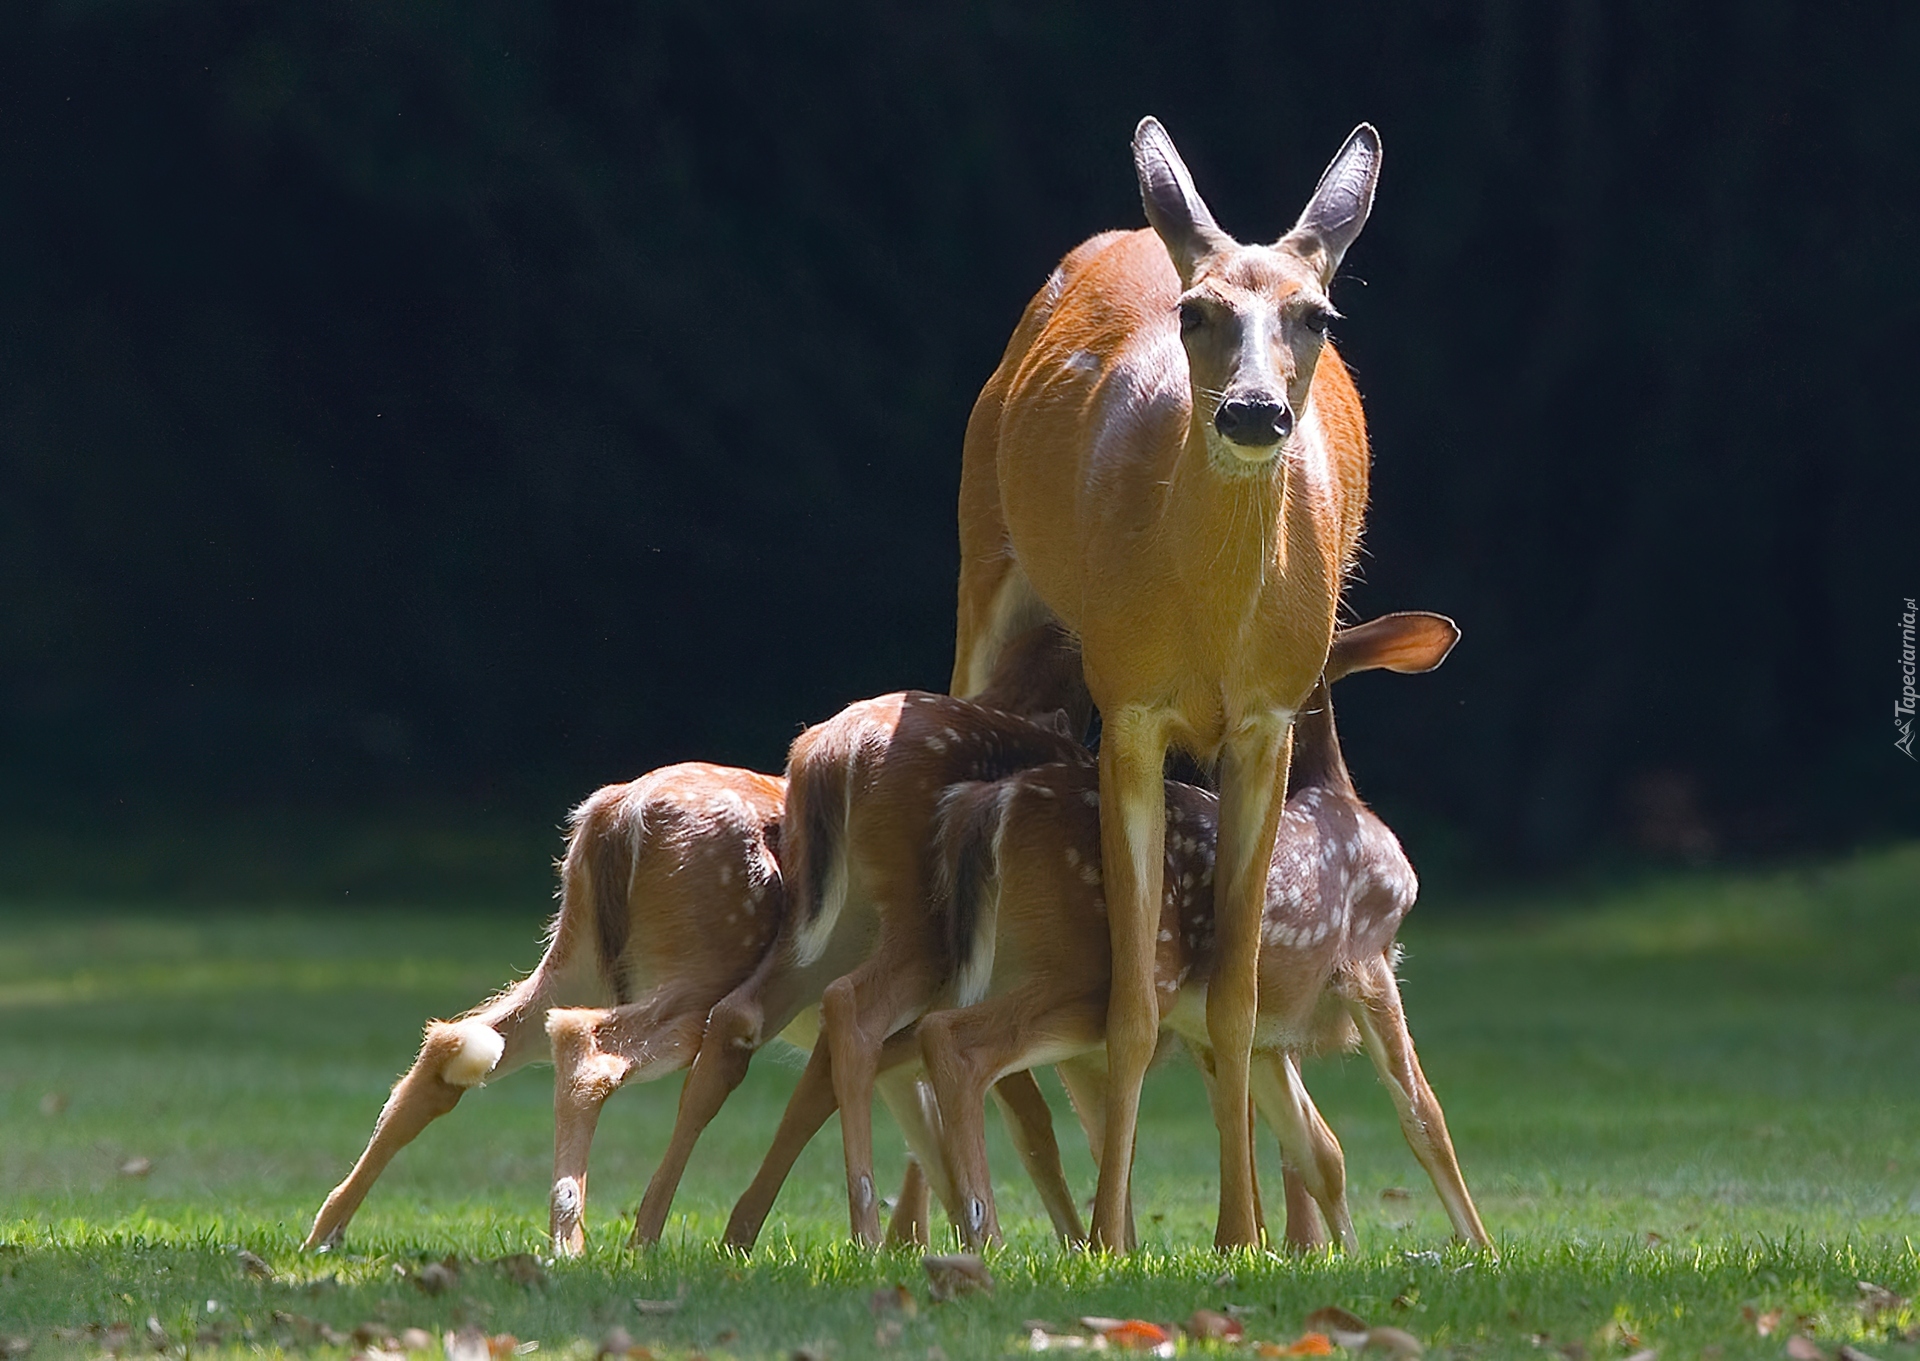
1253 424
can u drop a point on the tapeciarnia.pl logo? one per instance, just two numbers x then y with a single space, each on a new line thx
1903 707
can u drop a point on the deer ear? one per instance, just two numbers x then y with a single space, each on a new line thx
1174 207
1340 204
1410 642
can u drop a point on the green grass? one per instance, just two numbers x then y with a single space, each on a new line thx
1673 1101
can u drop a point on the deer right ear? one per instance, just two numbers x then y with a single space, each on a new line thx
1413 641
1174 207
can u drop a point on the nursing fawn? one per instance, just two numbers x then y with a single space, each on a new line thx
670 896
1028 903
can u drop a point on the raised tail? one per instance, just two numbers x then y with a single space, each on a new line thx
813 841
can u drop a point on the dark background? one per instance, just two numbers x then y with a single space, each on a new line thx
416 414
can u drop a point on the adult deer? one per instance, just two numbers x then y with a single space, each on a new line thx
1171 459
1019 851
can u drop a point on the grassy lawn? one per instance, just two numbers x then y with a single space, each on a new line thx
1681 1106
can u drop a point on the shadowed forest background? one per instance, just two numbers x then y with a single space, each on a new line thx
418 415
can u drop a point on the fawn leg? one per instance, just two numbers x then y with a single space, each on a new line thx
1383 1024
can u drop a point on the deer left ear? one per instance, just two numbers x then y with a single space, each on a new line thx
1340 204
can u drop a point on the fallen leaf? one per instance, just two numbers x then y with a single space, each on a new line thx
1803 1348
1763 1324
1307 1344
893 1299
53 1103
1207 1325
1654 1240
136 1167
253 1264
1046 1340
1574 1351
1647 1354
671 1306
11 1347
1129 1334
469 1344
1340 1325
1399 1342
616 1343
1396 1193
415 1339
1848 1353
378 1354
1612 1335
436 1278
950 1275
522 1268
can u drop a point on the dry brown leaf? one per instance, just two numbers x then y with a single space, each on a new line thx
1343 1326
506 1344
1803 1348
1645 1354
1208 1325
53 1103
415 1340
1307 1344
136 1167
378 1354
1041 1338
1848 1353
1393 1341
952 1274
1396 1193
1130 1334
893 1299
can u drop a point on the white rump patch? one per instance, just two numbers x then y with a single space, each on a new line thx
480 1049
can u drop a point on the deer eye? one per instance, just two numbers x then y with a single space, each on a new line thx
1192 316
1316 320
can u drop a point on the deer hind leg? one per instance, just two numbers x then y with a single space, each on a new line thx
857 1015
1310 1154
807 1110
491 1040
1374 1002
595 1052
910 1100
910 1225
965 1051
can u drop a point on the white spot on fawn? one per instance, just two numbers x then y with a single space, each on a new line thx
480 1048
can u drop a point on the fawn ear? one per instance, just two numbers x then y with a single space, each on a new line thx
1341 201
1174 207
1409 642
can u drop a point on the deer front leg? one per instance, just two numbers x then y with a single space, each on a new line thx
1133 832
1375 1006
732 1036
1030 1121
1253 772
